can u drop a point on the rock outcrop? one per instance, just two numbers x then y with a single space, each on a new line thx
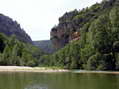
10 27
61 34
72 22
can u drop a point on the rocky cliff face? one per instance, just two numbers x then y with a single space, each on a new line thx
69 26
10 27
61 34
71 23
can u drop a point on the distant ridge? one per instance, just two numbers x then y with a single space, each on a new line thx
45 45
10 27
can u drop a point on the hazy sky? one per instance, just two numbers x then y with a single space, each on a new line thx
37 17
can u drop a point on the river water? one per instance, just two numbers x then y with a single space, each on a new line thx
11 80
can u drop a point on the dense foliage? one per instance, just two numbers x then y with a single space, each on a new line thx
15 52
98 47
73 21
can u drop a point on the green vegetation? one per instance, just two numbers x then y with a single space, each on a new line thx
15 52
98 47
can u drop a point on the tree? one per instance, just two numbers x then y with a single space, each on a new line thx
101 34
2 42
114 18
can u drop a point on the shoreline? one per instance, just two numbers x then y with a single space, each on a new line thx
30 69
50 70
95 72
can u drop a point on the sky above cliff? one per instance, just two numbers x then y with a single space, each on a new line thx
37 17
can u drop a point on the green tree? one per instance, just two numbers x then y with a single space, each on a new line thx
101 34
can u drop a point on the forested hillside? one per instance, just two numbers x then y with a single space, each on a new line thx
71 23
16 46
15 52
95 43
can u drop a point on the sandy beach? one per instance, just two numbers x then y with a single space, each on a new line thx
29 69
49 70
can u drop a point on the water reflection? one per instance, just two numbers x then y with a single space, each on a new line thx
36 86
58 81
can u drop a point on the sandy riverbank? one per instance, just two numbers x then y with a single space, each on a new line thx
29 69
49 70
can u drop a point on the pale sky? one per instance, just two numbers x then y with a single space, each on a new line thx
37 17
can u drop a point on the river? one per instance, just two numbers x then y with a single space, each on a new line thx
25 80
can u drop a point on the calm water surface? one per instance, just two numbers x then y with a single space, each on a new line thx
58 81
